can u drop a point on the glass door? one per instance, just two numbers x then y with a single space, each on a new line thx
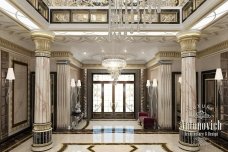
113 100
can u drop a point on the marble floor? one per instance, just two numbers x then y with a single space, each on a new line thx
117 141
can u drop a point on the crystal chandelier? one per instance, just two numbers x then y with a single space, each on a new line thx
114 65
125 15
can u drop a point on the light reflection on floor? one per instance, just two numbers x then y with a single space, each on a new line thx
118 136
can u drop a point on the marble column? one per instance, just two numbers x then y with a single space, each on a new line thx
188 133
142 102
63 95
85 93
42 128
164 95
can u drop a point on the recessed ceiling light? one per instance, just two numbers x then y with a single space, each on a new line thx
125 51
143 52
102 51
84 53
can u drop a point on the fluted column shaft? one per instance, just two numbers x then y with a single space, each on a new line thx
164 95
42 130
63 95
188 139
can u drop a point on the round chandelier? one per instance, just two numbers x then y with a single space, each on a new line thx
114 65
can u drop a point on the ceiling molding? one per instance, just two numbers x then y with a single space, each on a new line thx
213 50
163 56
66 55
15 48
99 66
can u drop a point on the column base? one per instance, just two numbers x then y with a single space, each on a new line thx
188 148
42 137
42 147
188 140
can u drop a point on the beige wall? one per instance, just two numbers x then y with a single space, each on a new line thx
24 59
75 73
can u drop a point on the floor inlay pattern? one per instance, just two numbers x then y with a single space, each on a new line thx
115 147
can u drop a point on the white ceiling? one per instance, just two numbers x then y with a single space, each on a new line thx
140 49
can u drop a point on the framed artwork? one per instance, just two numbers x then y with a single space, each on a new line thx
59 16
128 18
100 16
80 16
20 94
198 3
149 18
169 17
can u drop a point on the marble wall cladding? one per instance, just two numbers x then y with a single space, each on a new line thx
63 96
188 90
20 94
164 96
42 91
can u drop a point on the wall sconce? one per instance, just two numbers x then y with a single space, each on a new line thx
10 74
79 84
155 83
180 80
218 74
72 83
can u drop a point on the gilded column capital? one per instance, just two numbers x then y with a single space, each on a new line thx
43 41
188 41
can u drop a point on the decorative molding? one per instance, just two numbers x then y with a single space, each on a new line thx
215 49
66 55
61 54
43 41
188 41
163 56
99 66
16 48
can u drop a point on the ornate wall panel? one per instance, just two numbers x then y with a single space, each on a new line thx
4 102
20 98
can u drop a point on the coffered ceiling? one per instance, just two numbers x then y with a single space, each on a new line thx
89 48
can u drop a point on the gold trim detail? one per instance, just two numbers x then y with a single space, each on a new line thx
188 41
14 47
42 127
163 56
66 55
215 49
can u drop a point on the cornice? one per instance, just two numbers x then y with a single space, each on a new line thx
55 54
163 56
215 49
66 55
15 48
